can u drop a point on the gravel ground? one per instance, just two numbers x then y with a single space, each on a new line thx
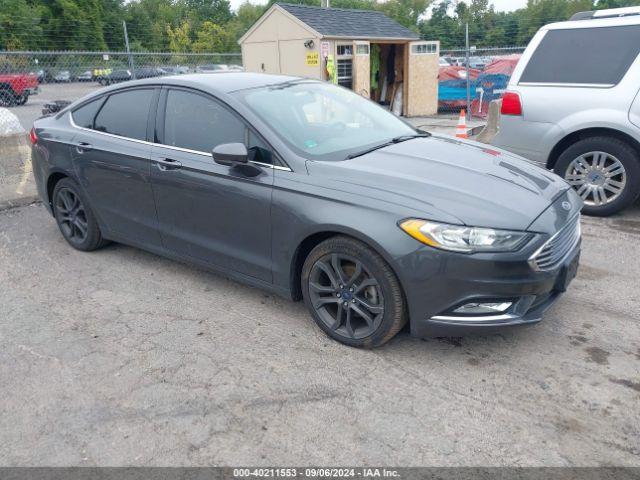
120 357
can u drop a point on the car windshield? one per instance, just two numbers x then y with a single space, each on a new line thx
323 121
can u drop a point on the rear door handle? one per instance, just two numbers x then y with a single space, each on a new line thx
83 147
165 164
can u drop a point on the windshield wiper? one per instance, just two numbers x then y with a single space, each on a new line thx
394 140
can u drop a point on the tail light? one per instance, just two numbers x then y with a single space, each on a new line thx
511 104
32 136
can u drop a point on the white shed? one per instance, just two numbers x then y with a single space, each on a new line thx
374 55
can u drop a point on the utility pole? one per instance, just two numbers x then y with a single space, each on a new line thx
466 34
126 44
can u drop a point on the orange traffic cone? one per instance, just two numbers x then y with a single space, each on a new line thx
461 129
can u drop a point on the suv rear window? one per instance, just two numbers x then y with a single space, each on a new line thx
598 56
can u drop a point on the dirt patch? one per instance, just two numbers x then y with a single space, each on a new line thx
578 339
598 355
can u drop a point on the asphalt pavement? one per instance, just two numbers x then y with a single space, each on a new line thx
120 357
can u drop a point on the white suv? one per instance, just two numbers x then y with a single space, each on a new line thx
573 105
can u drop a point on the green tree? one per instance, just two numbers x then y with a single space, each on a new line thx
179 38
213 38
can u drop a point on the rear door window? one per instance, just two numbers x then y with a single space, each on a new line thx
599 56
125 114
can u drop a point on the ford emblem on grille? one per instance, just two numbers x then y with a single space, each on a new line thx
566 205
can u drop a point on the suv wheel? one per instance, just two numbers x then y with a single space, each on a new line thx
352 293
604 171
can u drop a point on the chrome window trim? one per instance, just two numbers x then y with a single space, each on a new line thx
475 319
569 224
567 85
180 149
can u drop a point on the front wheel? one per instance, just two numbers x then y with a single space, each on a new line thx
352 293
604 171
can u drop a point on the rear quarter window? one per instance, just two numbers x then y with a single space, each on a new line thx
598 56
83 116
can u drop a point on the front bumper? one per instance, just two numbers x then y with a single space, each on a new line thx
437 283
531 294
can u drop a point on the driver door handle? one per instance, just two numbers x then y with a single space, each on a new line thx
165 164
83 147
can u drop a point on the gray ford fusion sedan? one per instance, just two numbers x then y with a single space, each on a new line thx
310 191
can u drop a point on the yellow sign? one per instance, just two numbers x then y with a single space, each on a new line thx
312 59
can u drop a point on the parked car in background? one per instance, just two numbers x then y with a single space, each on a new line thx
211 68
477 63
442 62
44 75
235 68
15 88
63 76
573 106
311 191
116 76
149 72
85 76
175 70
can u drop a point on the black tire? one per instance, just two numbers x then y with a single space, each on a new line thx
22 99
74 217
376 287
7 98
623 153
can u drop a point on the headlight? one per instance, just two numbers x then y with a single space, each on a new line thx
460 238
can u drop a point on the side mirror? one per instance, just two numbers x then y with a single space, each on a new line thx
230 154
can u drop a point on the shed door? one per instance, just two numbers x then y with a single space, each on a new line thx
421 79
261 57
361 68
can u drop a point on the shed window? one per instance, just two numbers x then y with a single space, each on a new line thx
424 48
345 50
362 49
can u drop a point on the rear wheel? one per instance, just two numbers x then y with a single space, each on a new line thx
352 293
22 99
75 219
604 171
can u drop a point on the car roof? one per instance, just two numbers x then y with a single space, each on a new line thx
218 82
226 81
594 23
221 82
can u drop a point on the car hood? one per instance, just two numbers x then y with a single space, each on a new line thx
471 182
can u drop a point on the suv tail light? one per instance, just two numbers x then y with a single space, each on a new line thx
32 136
511 104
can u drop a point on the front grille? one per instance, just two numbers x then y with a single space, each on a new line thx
552 253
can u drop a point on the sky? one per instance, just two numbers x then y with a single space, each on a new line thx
501 5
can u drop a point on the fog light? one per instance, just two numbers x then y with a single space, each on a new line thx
477 308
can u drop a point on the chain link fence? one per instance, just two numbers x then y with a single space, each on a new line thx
32 82
471 79
69 75
66 76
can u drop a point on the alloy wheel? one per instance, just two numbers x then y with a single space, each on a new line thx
72 216
598 177
346 297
